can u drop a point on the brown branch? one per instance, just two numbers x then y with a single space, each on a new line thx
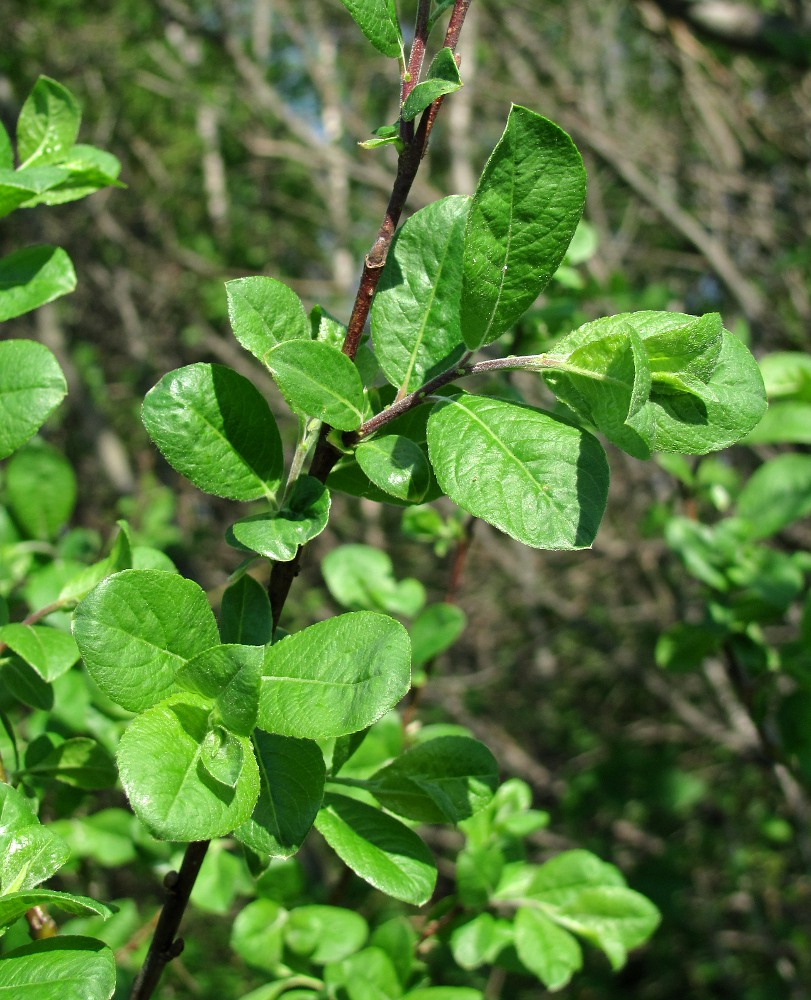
165 944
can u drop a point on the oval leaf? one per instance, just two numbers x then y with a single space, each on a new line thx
336 677
535 477
48 123
527 205
317 380
167 782
31 387
135 631
264 312
415 322
278 534
377 19
40 489
396 465
292 775
213 426
548 951
33 276
61 968
378 848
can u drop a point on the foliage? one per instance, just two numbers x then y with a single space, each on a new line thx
230 727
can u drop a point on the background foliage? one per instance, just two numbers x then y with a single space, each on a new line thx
236 125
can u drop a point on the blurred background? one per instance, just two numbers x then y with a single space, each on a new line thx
237 124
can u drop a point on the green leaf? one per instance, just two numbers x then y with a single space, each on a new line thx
533 476
613 918
317 380
278 534
335 677
325 934
704 408
25 684
607 383
86 170
367 975
230 676
361 577
442 78
31 387
378 848
14 905
60 968
787 375
40 490
777 493
783 423
49 651
6 151
434 630
245 615
560 880
444 993
478 871
548 951
19 187
136 630
166 781
33 276
479 941
263 313
222 755
377 19
257 935
48 124
527 205
443 780
415 321
396 465
29 852
119 558
79 762
292 775
213 426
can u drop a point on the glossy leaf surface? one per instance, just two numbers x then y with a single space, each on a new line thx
33 276
31 387
264 312
318 381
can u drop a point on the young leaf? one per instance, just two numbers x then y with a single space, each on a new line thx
686 413
325 934
257 934
245 615
415 314
48 124
31 387
40 490
528 202
263 313
317 380
136 630
6 152
377 19
367 975
29 852
49 651
533 476
213 426
479 941
59 968
396 465
86 170
19 187
443 780
292 775
378 848
278 534
162 760
222 755
33 276
230 675
433 630
335 677
14 904
442 78
607 383
361 577
777 493
79 762
119 558
614 918
547 950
